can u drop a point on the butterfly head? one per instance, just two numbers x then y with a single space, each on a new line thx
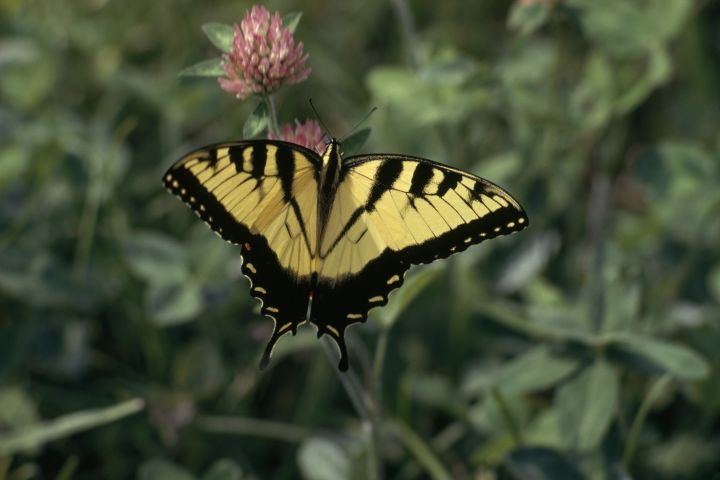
331 166
332 153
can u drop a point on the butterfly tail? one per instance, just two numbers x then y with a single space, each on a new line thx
278 332
339 338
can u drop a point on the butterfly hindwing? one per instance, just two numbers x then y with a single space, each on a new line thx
261 195
390 212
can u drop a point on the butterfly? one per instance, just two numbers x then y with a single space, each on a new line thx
325 238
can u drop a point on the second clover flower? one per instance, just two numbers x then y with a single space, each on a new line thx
264 56
307 134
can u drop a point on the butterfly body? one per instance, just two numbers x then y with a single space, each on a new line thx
332 237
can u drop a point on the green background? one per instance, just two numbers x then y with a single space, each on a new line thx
584 347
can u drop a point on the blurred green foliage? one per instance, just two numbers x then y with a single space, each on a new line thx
585 347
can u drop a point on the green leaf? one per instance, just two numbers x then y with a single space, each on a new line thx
39 279
155 257
223 469
678 360
220 35
528 17
528 261
622 312
174 303
526 78
200 369
586 406
207 68
257 121
208 260
537 369
412 287
440 93
591 102
683 453
532 463
497 415
36 435
322 459
17 409
635 86
435 391
629 28
26 82
353 144
157 469
291 20
14 161
542 322
544 430
680 180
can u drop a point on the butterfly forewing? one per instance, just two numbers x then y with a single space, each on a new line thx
261 195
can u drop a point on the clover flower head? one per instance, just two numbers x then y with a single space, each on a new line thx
264 56
308 134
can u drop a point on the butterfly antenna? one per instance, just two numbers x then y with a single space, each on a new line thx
317 115
367 115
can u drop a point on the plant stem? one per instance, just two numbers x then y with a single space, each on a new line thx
36 435
597 215
407 26
509 418
349 381
68 468
421 451
4 466
631 443
377 396
366 407
86 231
379 362
251 427
272 113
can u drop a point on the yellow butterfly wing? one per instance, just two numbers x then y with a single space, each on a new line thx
392 211
261 195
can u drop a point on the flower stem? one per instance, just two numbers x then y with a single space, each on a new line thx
272 113
597 217
631 443
376 411
351 384
366 407
86 230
